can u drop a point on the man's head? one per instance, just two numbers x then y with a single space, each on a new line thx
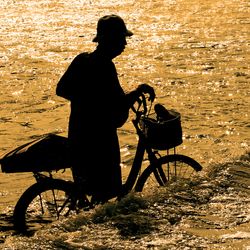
111 35
111 26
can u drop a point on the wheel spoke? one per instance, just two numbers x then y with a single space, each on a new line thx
43 203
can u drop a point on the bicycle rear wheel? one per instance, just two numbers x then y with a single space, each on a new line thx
169 168
43 203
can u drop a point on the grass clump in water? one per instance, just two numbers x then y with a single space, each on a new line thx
125 217
127 205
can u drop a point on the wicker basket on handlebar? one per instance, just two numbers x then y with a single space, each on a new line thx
163 134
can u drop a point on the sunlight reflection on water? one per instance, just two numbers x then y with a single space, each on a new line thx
195 55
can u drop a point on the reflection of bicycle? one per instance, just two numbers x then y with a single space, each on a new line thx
51 198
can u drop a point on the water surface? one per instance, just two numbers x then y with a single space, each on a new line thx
194 53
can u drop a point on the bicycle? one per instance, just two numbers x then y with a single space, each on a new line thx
51 198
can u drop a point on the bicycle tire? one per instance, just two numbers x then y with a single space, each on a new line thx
167 169
43 203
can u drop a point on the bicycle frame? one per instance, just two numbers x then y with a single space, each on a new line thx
141 149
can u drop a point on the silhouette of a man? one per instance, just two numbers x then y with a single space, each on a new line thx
98 107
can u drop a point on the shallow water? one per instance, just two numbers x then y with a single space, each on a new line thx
209 212
195 54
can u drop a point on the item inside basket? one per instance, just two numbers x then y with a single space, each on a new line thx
162 133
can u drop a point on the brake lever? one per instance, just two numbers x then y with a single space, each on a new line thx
139 101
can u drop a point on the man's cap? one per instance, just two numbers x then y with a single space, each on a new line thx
111 25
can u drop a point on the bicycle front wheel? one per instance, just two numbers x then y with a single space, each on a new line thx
169 168
43 203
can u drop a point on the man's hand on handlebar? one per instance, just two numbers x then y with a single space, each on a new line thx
146 89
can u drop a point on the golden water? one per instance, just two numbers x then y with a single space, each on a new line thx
194 53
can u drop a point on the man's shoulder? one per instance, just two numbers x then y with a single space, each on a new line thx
80 60
84 56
